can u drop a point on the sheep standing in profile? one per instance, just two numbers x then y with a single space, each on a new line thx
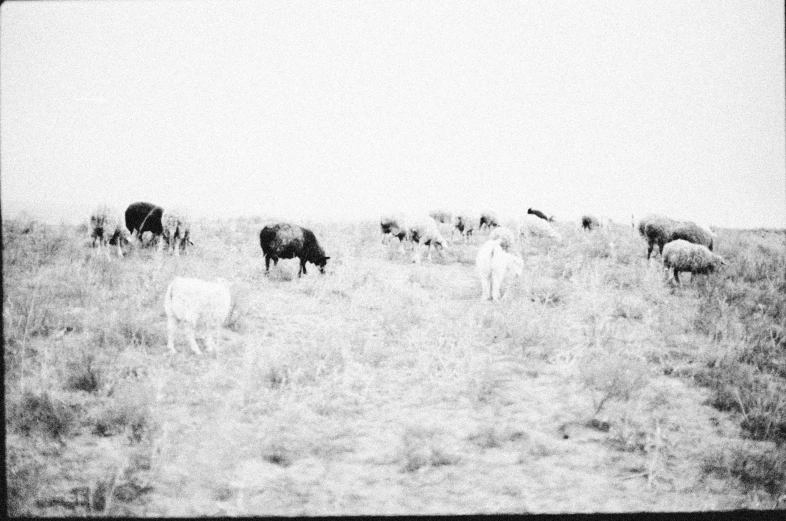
106 230
489 220
176 231
196 305
589 222
287 241
684 256
465 224
491 264
394 225
505 237
424 231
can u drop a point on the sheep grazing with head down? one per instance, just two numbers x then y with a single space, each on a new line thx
684 256
196 306
660 230
491 264
287 241
106 230
424 231
465 224
505 237
394 225
589 222
441 216
489 220
531 225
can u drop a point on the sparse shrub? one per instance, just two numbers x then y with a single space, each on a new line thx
549 292
39 412
25 472
762 468
129 408
83 372
612 376
422 447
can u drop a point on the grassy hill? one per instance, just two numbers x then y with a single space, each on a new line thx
385 387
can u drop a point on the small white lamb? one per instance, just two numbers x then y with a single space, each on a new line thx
196 304
491 264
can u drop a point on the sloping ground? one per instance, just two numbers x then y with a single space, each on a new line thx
389 388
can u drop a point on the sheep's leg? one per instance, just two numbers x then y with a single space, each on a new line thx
267 264
175 247
496 282
649 250
677 276
210 344
429 253
485 290
192 339
171 329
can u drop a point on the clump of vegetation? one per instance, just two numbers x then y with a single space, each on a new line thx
422 447
41 413
612 376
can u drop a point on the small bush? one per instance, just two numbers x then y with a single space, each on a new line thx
422 448
129 409
763 469
42 413
612 376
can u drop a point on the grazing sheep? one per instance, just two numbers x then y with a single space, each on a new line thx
681 255
531 225
589 222
177 231
504 236
106 230
286 241
531 211
465 224
394 225
144 217
489 220
657 229
425 231
692 232
196 305
491 264
441 216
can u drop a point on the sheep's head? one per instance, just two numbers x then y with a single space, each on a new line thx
321 262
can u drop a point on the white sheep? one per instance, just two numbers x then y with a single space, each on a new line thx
394 225
681 255
491 264
177 231
465 223
531 225
106 230
424 230
505 237
196 304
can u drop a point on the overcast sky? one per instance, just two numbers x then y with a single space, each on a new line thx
345 109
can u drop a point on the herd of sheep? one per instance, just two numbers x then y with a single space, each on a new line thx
196 305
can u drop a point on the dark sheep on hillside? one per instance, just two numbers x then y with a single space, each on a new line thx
489 220
660 230
692 232
540 214
441 216
287 241
144 217
589 222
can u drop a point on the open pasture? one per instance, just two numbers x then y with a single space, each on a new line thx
385 387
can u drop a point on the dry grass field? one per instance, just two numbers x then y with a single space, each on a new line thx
383 387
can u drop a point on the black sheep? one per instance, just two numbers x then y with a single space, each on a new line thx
144 217
540 214
287 241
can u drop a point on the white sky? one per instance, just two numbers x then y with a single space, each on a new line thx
346 109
